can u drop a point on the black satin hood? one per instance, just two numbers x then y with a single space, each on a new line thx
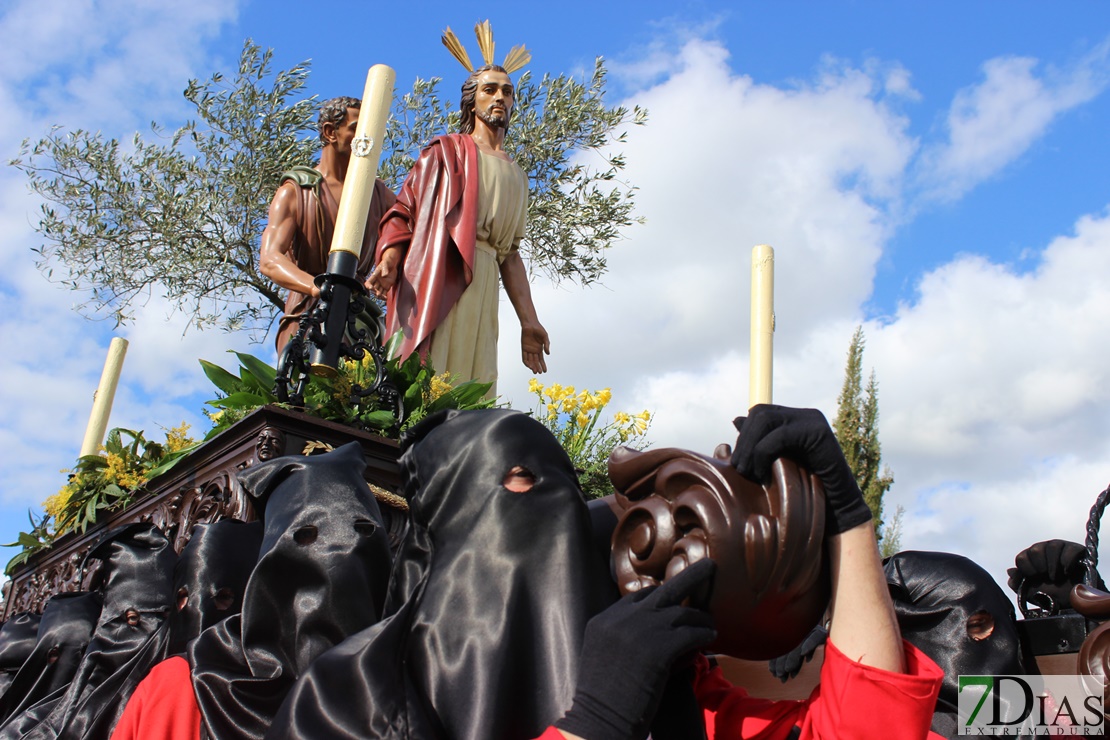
136 576
17 639
489 598
211 577
942 599
64 632
321 575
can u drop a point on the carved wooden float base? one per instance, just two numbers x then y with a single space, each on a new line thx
202 487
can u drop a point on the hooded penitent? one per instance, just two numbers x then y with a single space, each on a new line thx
321 575
64 633
211 576
954 612
131 636
17 639
489 597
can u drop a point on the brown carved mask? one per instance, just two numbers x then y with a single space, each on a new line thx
269 444
772 582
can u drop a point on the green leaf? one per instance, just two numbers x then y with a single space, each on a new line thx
378 419
222 379
15 562
262 372
90 510
243 400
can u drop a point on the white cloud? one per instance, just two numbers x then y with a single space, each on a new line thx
725 164
995 390
994 122
123 68
993 384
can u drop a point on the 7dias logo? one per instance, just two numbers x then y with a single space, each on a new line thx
1024 706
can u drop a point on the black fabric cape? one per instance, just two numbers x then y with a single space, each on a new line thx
489 597
321 575
210 577
934 595
131 635
67 625
17 639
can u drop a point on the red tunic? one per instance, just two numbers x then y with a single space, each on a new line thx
434 221
852 701
163 706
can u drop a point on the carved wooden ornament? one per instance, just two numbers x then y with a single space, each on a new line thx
772 583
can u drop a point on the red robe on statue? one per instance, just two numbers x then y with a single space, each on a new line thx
434 221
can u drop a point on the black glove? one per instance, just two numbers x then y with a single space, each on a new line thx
1048 569
787 666
803 435
628 652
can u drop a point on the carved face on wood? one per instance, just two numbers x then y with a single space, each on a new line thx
772 582
270 444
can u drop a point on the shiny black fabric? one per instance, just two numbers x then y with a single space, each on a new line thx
131 635
321 575
17 639
489 598
64 633
940 600
211 576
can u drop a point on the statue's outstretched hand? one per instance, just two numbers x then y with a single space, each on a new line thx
803 435
384 275
534 344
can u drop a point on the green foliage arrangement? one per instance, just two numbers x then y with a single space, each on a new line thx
423 393
40 537
182 213
575 418
102 483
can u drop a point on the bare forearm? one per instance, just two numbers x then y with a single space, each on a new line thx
864 626
285 273
515 279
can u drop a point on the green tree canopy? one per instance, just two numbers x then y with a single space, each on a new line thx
857 430
182 213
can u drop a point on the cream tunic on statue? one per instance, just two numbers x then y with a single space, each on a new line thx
465 342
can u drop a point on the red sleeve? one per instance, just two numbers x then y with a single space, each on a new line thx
852 701
551 734
163 706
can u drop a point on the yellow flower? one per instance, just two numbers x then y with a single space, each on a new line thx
177 438
583 419
621 418
56 504
603 397
440 384
120 473
535 386
570 405
552 410
554 392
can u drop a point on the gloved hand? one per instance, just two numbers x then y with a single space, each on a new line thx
803 435
628 652
1048 569
787 666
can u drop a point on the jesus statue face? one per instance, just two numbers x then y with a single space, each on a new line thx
494 99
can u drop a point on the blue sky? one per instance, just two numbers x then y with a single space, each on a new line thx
935 172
